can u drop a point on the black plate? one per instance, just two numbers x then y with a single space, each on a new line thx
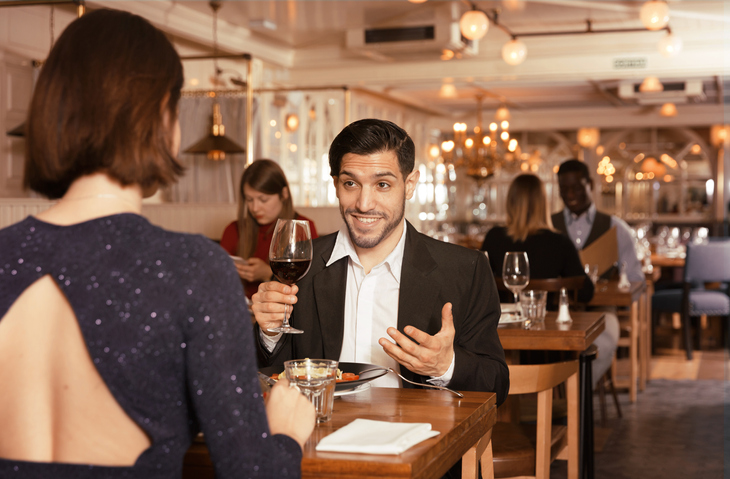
346 368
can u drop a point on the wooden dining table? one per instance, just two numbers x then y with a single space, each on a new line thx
577 337
465 426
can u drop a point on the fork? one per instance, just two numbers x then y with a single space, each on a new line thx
391 370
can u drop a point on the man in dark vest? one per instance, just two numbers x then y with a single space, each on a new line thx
583 224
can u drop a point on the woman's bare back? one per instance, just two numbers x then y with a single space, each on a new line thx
56 407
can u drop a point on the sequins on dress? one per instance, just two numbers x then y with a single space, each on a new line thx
164 319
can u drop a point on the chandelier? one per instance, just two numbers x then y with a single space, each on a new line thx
484 152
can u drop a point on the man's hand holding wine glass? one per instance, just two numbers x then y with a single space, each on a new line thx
290 257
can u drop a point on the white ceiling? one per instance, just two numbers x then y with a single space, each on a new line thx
305 43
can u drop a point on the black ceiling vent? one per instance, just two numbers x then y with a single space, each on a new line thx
667 86
401 34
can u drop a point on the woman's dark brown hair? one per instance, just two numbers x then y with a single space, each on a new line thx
106 101
264 176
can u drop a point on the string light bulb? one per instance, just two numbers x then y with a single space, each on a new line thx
670 45
654 14
474 24
514 52
668 110
651 85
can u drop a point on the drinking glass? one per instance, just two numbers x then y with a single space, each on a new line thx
315 378
290 257
516 273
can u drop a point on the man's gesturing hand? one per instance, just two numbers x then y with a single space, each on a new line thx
270 303
432 355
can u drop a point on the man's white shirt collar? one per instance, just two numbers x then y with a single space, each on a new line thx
345 247
589 215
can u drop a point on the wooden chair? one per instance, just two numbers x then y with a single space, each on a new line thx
522 450
552 285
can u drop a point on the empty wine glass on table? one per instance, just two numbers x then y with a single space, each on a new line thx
516 273
290 257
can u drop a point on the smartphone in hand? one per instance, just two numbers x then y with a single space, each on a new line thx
238 260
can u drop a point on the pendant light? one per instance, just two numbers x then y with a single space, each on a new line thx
514 52
215 145
654 14
474 24
670 45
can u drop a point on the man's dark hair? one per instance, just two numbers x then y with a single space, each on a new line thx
106 101
370 136
576 166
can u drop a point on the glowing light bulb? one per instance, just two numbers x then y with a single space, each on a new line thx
474 24
514 52
654 14
670 45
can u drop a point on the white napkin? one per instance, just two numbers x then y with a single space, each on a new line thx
376 437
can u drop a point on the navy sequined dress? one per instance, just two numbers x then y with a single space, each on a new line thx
164 319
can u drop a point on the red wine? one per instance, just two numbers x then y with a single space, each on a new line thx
290 271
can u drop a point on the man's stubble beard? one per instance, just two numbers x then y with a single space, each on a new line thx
367 243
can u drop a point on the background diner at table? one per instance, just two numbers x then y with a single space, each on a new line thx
263 197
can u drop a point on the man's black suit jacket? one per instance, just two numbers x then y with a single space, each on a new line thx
433 274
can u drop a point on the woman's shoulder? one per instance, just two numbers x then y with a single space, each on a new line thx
497 232
551 238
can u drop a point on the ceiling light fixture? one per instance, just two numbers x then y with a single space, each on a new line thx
720 135
651 85
474 24
484 152
502 113
215 145
670 44
448 90
654 14
514 52
668 110
292 122
588 137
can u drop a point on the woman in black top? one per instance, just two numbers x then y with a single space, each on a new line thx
529 229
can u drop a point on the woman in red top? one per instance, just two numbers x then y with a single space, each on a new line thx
263 198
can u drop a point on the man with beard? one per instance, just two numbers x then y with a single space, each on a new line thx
379 277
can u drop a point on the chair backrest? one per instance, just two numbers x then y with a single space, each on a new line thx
551 285
533 378
708 262
550 441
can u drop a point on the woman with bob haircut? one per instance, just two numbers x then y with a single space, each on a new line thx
530 229
120 341
264 197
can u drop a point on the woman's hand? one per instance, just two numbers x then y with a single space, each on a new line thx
255 269
289 412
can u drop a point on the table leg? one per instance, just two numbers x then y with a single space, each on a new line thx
586 466
643 360
634 351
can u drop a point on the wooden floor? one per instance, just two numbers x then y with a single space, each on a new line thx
678 427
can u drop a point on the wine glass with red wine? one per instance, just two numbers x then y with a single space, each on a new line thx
290 257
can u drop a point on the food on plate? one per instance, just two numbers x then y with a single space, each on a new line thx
341 377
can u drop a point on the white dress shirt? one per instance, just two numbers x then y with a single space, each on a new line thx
371 307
